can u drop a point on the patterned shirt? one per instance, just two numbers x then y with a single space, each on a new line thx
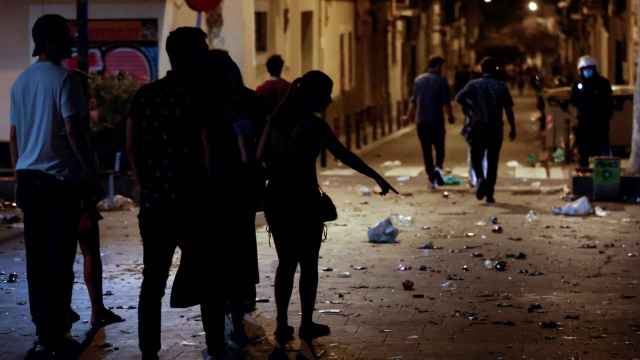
486 99
168 124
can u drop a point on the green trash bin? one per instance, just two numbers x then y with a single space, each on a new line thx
606 178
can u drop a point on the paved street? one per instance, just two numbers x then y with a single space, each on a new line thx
572 293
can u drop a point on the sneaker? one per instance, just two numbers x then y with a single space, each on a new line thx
434 186
437 174
490 199
312 331
481 191
284 334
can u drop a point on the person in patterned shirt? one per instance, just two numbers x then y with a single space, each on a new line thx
167 146
485 100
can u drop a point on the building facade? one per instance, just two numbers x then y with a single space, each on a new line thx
372 49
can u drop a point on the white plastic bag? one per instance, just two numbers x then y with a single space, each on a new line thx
580 207
383 233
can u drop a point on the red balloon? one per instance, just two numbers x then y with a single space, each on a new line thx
203 5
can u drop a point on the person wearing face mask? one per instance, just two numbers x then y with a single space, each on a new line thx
592 96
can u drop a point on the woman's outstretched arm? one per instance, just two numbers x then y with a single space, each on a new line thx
353 161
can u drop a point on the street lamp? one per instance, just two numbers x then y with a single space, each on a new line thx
487 1
533 6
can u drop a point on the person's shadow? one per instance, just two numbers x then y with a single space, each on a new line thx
95 333
512 209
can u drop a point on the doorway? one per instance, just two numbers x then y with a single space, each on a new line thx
306 45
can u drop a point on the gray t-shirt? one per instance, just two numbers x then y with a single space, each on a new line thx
430 95
42 98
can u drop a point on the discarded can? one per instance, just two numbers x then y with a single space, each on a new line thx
344 275
490 264
445 194
13 277
364 191
469 234
497 229
466 268
408 285
402 267
477 255
501 266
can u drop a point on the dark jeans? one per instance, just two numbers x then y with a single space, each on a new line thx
592 142
162 230
432 139
488 143
51 210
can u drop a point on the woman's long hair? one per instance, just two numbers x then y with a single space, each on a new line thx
305 94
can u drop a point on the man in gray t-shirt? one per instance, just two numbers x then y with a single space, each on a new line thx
50 151
430 99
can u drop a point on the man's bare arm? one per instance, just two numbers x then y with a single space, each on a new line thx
411 115
78 135
449 109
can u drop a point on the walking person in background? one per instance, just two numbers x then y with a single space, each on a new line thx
485 100
290 146
593 98
431 95
274 90
168 149
53 160
521 79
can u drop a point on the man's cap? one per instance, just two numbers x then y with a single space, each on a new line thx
50 27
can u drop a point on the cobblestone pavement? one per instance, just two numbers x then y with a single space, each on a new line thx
583 273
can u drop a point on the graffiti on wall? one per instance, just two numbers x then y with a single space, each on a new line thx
122 46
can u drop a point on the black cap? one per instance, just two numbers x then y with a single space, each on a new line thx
49 27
